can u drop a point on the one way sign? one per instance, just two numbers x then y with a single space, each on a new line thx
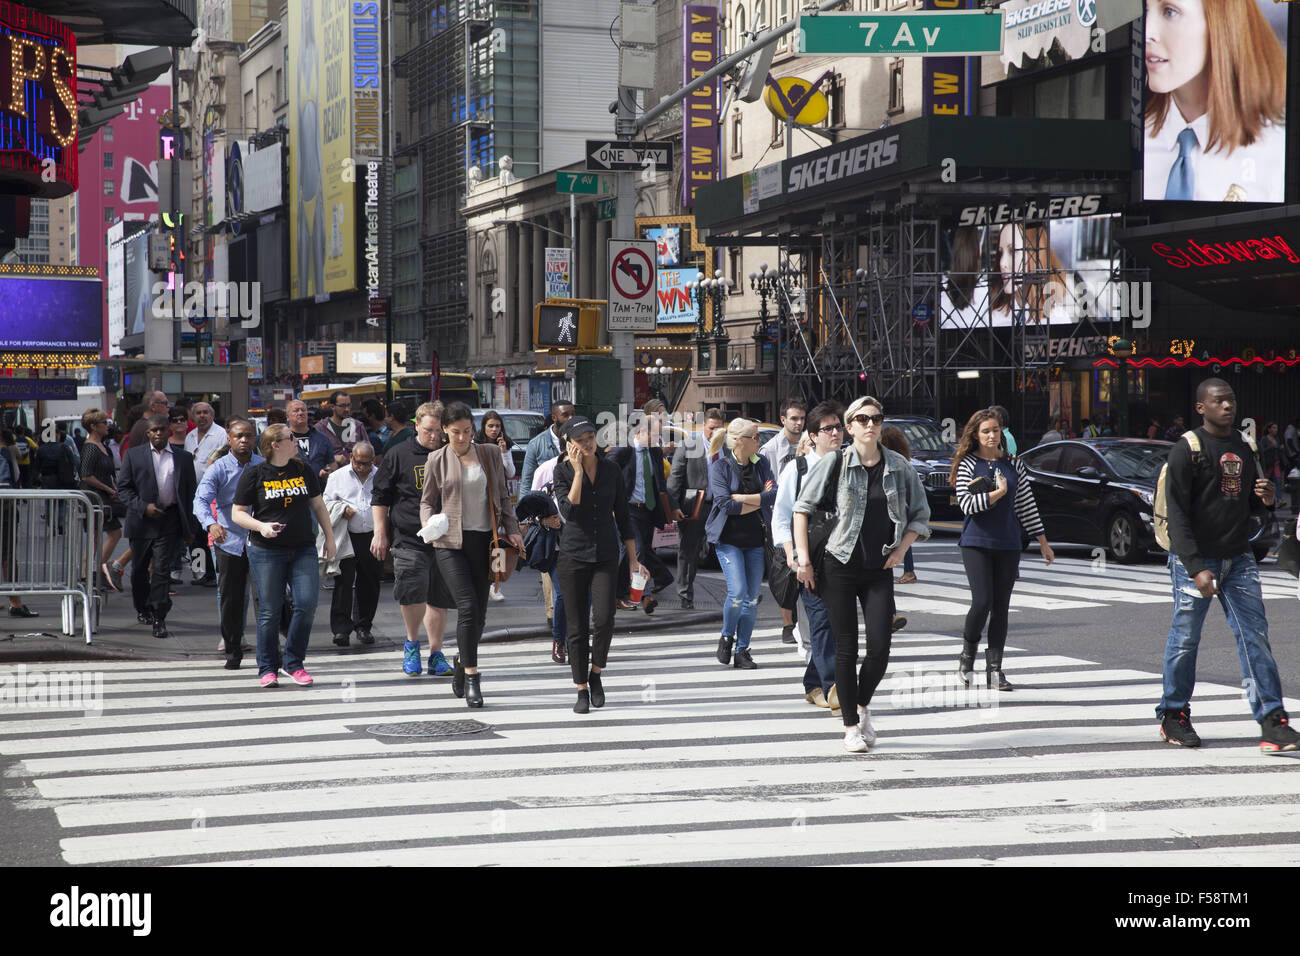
624 156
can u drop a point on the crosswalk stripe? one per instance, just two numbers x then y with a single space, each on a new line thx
689 762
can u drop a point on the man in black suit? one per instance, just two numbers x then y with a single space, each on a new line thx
688 484
643 476
157 486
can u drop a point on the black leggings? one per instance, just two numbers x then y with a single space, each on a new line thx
843 589
586 584
465 573
991 573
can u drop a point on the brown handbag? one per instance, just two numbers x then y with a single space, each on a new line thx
503 559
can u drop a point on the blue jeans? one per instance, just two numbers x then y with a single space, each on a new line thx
821 651
559 626
271 570
743 569
1243 604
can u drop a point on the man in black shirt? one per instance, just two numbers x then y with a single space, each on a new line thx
1212 485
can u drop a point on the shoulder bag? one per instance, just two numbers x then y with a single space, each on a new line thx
822 521
781 581
503 559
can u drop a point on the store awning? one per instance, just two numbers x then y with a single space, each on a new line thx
143 22
1247 260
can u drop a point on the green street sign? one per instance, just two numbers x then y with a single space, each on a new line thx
605 209
586 183
934 33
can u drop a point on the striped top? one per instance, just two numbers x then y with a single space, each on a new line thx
978 510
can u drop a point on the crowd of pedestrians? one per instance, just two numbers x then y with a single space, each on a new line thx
831 505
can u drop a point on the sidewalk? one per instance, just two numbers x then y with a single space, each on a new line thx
196 632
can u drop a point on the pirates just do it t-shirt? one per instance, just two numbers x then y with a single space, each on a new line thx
280 495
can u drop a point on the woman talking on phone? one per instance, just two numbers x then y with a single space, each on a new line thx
466 482
492 431
994 494
593 502
274 501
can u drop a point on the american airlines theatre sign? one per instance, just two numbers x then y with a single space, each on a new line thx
38 104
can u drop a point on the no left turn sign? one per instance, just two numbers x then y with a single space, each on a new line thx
633 304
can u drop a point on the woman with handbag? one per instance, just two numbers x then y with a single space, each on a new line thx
993 493
593 503
467 483
879 510
492 431
538 511
744 490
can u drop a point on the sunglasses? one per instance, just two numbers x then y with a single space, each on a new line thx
827 429
865 419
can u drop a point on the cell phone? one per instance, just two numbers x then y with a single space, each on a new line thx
279 526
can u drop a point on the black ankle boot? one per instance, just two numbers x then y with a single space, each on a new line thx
597 692
458 679
473 692
584 703
993 671
966 662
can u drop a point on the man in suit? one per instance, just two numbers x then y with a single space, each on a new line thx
688 483
643 477
157 486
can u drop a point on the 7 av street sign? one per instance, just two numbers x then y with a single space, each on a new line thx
627 156
934 33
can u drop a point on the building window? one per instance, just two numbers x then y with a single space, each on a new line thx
735 263
108 160
896 86
737 145
760 15
835 98
738 29
778 131
108 187
109 214
107 134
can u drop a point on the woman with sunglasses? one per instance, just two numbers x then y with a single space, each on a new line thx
275 500
882 510
744 490
993 493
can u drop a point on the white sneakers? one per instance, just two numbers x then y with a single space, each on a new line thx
495 595
861 736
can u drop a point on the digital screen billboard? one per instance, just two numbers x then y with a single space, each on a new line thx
53 316
1215 105
1024 272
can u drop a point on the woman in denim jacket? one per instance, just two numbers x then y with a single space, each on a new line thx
882 509
743 489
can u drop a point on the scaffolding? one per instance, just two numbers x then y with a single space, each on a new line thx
895 303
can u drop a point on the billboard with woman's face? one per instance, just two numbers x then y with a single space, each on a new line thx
1215 112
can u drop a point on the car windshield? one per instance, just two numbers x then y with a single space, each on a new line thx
1138 462
925 439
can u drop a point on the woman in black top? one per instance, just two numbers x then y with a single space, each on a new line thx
275 501
593 503
99 477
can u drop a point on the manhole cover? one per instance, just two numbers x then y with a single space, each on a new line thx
429 728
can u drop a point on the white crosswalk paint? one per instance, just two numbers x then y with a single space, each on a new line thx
689 762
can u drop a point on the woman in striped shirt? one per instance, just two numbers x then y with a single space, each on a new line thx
988 481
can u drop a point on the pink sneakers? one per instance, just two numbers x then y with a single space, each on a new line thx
270 680
300 676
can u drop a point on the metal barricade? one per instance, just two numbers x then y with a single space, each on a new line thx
49 545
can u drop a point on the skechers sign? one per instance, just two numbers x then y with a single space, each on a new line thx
38 104
838 167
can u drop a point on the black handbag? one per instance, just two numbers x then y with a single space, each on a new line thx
1288 554
781 581
822 521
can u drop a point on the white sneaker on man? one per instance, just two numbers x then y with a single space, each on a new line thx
853 741
864 726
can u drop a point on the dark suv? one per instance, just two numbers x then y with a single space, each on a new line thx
932 459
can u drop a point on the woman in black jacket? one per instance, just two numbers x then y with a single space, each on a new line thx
593 503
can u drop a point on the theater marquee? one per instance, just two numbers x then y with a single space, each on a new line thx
38 104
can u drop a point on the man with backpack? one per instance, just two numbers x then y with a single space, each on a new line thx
1204 497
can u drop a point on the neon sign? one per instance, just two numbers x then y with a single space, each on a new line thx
1170 362
1208 254
38 103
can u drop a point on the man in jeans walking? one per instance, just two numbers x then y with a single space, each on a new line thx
1210 491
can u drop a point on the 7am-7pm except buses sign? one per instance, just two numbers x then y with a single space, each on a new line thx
933 33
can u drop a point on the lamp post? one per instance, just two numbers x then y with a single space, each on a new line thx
1122 349
764 283
720 287
658 375
703 348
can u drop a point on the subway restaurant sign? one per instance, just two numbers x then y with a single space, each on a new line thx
930 33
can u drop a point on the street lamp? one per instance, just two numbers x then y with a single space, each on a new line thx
657 376
764 283
535 225
699 291
720 287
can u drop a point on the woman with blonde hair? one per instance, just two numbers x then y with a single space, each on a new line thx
744 490
882 510
1220 66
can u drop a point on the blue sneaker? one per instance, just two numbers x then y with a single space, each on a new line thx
438 665
411 662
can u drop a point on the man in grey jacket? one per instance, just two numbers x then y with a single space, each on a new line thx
688 483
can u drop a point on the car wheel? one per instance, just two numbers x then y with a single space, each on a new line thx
1122 537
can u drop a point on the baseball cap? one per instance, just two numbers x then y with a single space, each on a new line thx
577 427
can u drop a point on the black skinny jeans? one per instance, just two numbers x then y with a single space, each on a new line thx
991 573
843 589
232 599
582 582
466 574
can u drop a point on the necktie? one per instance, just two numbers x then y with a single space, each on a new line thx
649 478
1182 184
